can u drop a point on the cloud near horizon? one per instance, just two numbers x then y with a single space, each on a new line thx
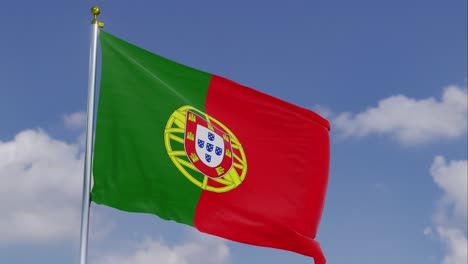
409 120
198 249
450 216
41 188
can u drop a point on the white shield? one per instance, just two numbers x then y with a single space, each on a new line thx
209 146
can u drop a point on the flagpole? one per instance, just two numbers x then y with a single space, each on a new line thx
95 25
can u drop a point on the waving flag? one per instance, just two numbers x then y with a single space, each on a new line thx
202 150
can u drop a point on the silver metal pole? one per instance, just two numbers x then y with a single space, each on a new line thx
89 137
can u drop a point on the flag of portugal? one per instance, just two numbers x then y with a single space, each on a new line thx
204 151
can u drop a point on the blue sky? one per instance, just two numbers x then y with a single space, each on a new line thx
391 76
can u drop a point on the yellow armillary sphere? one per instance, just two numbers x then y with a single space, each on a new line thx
204 150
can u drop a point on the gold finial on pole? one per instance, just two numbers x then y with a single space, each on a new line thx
95 11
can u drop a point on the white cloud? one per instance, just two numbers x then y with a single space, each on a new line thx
453 179
450 216
40 190
75 120
456 245
200 249
323 111
410 120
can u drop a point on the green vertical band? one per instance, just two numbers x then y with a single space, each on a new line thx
139 92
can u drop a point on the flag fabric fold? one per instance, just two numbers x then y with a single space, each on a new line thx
205 151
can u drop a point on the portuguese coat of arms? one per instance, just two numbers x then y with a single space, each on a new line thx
208 147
